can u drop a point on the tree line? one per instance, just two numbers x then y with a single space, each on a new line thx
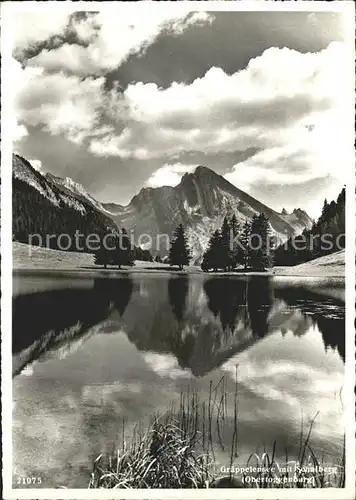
326 236
234 245
249 245
231 246
116 249
34 214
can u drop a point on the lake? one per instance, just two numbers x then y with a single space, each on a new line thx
95 357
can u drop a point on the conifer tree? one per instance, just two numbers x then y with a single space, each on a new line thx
114 249
101 256
235 251
326 236
266 248
179 253
324 211
260 253
244 254
255 243
105 252
123 253
225 244
212 256
234 225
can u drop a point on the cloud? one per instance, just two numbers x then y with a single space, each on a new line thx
18 131
60 103
37 164
31 28
169 175
165 365
86 29
19 80
178 26
283 372
289 105
308 157
104 51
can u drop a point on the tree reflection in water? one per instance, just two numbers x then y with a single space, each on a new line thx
168 320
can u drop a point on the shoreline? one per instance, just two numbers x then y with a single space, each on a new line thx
30 271
38 260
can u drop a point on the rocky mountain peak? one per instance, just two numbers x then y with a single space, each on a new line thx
202 176
72 188
200 201
51 177
202 170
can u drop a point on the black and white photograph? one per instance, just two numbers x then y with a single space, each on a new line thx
178 284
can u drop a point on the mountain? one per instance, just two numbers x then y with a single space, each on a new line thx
72 316
41 208
113 208
68 186
72 188
299 219
199 202
201 323
326 236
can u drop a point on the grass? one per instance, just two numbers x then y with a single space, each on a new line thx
178 450
306 471
163 457
40 258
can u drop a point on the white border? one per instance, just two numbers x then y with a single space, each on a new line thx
7 10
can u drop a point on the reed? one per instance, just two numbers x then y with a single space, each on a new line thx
164 456
179 449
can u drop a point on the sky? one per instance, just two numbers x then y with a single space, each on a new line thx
119 101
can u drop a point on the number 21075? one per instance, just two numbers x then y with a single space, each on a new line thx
26 481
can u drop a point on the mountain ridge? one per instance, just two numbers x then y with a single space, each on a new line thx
201 171
41 208
200 201
68 186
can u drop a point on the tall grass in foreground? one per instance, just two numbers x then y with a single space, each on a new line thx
163 457
178 450
305 471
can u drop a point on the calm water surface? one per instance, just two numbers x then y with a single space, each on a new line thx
88 353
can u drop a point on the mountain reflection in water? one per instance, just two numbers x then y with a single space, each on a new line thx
202 322
88 355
